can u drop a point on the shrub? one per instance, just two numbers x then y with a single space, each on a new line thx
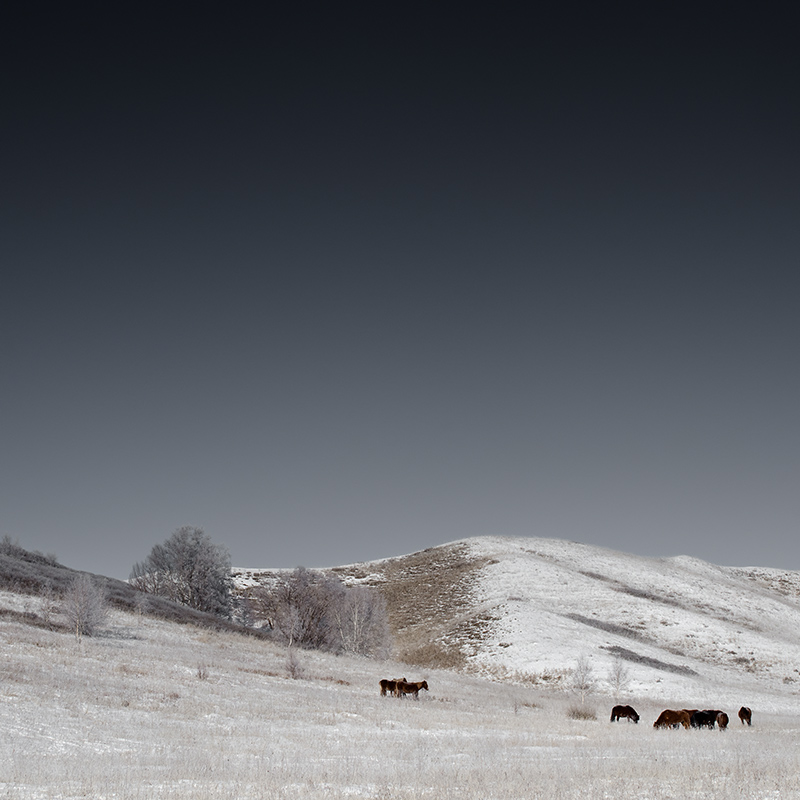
581 712
293 665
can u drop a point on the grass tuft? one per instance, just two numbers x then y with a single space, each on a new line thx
581 712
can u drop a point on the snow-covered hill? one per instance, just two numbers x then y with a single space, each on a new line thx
151 709
526 609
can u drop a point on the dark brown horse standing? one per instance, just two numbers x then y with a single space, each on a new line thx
722 720
703 719
406 687
745 715
624 711
390 686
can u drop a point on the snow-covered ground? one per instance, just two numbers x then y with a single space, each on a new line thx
712 634
152 709
157 710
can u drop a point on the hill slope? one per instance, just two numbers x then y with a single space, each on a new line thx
152 709
527 609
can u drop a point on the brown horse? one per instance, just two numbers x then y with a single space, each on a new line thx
722 720
745 715
671 719
624 711
405 687
390 686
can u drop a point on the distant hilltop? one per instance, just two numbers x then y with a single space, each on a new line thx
525 609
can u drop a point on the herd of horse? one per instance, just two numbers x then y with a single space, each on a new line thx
400 687
669 718
688 717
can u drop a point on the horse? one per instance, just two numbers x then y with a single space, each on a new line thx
624 711
722 720
745 715
390 686
703 719
406 687
671 719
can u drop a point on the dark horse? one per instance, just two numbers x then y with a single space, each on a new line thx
745 715
722 720
406 687
624 711
704 719
390 686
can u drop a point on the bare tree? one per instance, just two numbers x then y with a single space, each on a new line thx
190 569
49 602
583 680
301 606
619 676
362 625
312 610
85 606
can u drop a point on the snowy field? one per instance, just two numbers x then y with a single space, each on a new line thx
157 710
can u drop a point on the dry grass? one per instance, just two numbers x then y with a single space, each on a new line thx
125 716
428 597
581 712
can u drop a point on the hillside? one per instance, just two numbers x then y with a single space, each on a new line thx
526 609
155 707
35 574
152 709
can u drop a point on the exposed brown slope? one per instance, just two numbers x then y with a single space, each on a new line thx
429 599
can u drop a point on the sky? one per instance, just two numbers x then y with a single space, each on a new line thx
341 285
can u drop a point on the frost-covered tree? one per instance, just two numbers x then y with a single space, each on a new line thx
362 626
583 680
189 569
85 606
301 606
619 676
312 610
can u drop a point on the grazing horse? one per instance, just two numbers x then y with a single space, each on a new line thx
722 720
703 719
671 719
624 711
390 686
745 715
405 687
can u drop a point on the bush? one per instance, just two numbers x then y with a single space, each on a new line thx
581 712
294 667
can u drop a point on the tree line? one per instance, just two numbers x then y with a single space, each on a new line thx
305 608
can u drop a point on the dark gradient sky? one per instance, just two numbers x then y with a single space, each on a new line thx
343 287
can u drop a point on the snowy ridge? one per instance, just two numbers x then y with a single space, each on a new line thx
530 607
679 623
